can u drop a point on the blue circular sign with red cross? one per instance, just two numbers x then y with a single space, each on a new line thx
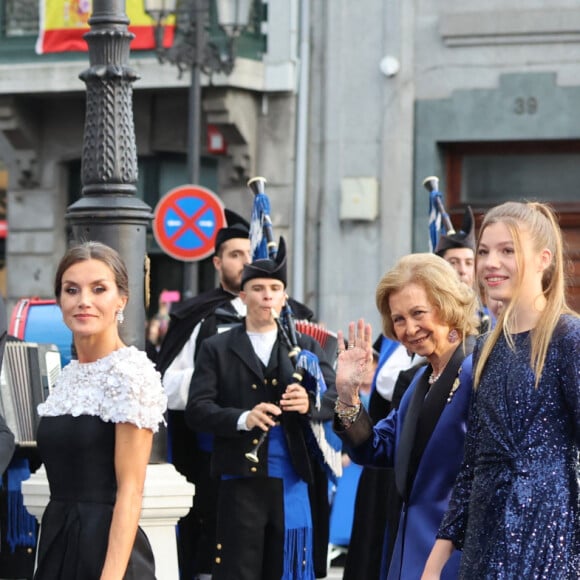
186 222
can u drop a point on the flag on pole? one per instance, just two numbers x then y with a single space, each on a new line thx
260 215
262 243
435 228
64 22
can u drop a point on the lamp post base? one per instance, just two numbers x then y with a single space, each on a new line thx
167 496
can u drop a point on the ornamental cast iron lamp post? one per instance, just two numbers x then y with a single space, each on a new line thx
193 50
109 211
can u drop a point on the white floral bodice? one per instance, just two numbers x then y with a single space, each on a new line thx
122 387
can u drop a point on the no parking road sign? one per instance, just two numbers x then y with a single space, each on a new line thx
186 222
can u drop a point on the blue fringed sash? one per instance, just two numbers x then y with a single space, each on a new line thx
298 542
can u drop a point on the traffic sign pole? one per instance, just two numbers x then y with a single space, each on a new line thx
185 224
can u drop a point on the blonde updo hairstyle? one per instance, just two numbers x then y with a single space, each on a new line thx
454 301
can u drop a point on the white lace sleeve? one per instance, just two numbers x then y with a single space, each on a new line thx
123 387
133 393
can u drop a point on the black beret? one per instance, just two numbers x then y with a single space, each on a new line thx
268 268
237 227
464 238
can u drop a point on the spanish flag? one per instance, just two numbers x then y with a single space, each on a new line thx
64 22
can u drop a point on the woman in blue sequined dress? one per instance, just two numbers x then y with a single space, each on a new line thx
515 508
96 431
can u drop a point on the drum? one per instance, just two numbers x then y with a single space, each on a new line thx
39 320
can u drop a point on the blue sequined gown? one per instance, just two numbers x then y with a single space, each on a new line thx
515 507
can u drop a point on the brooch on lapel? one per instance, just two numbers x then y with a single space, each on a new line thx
454 387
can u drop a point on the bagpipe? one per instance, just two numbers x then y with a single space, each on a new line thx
441 228
438 216
323 444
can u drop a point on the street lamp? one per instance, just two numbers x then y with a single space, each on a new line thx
193 50
191 18
109 210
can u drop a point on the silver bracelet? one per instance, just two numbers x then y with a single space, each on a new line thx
348 415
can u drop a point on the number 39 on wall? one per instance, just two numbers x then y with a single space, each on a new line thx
525 106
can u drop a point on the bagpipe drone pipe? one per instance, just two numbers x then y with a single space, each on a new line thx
322 441
438 216
443 237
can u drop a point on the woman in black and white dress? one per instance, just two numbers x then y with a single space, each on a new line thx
96 431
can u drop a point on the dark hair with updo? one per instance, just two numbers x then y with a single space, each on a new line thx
93 251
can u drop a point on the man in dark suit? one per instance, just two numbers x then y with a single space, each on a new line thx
243 386
190 322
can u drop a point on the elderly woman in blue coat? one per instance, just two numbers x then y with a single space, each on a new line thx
427 308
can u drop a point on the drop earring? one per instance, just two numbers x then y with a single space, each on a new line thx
453 336
120 317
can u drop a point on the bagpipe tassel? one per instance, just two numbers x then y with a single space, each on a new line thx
439 221
262 243
329 447
324 444
434 219
313 379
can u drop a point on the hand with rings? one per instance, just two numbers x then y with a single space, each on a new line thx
353 361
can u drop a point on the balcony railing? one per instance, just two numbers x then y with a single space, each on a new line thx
19 26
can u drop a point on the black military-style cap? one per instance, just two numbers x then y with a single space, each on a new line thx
237 227
464 238
268 268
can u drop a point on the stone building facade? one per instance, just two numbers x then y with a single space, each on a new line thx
345 122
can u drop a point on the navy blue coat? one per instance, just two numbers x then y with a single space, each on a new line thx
428 493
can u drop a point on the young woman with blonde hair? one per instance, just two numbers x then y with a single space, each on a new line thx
515 511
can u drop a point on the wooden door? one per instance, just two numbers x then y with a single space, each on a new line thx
547 171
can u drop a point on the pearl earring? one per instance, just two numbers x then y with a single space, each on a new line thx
120 317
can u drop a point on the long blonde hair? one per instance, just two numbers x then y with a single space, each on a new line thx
540 222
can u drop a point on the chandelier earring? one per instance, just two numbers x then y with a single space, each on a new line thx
120 316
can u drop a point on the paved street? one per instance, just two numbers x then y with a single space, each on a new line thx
335 573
